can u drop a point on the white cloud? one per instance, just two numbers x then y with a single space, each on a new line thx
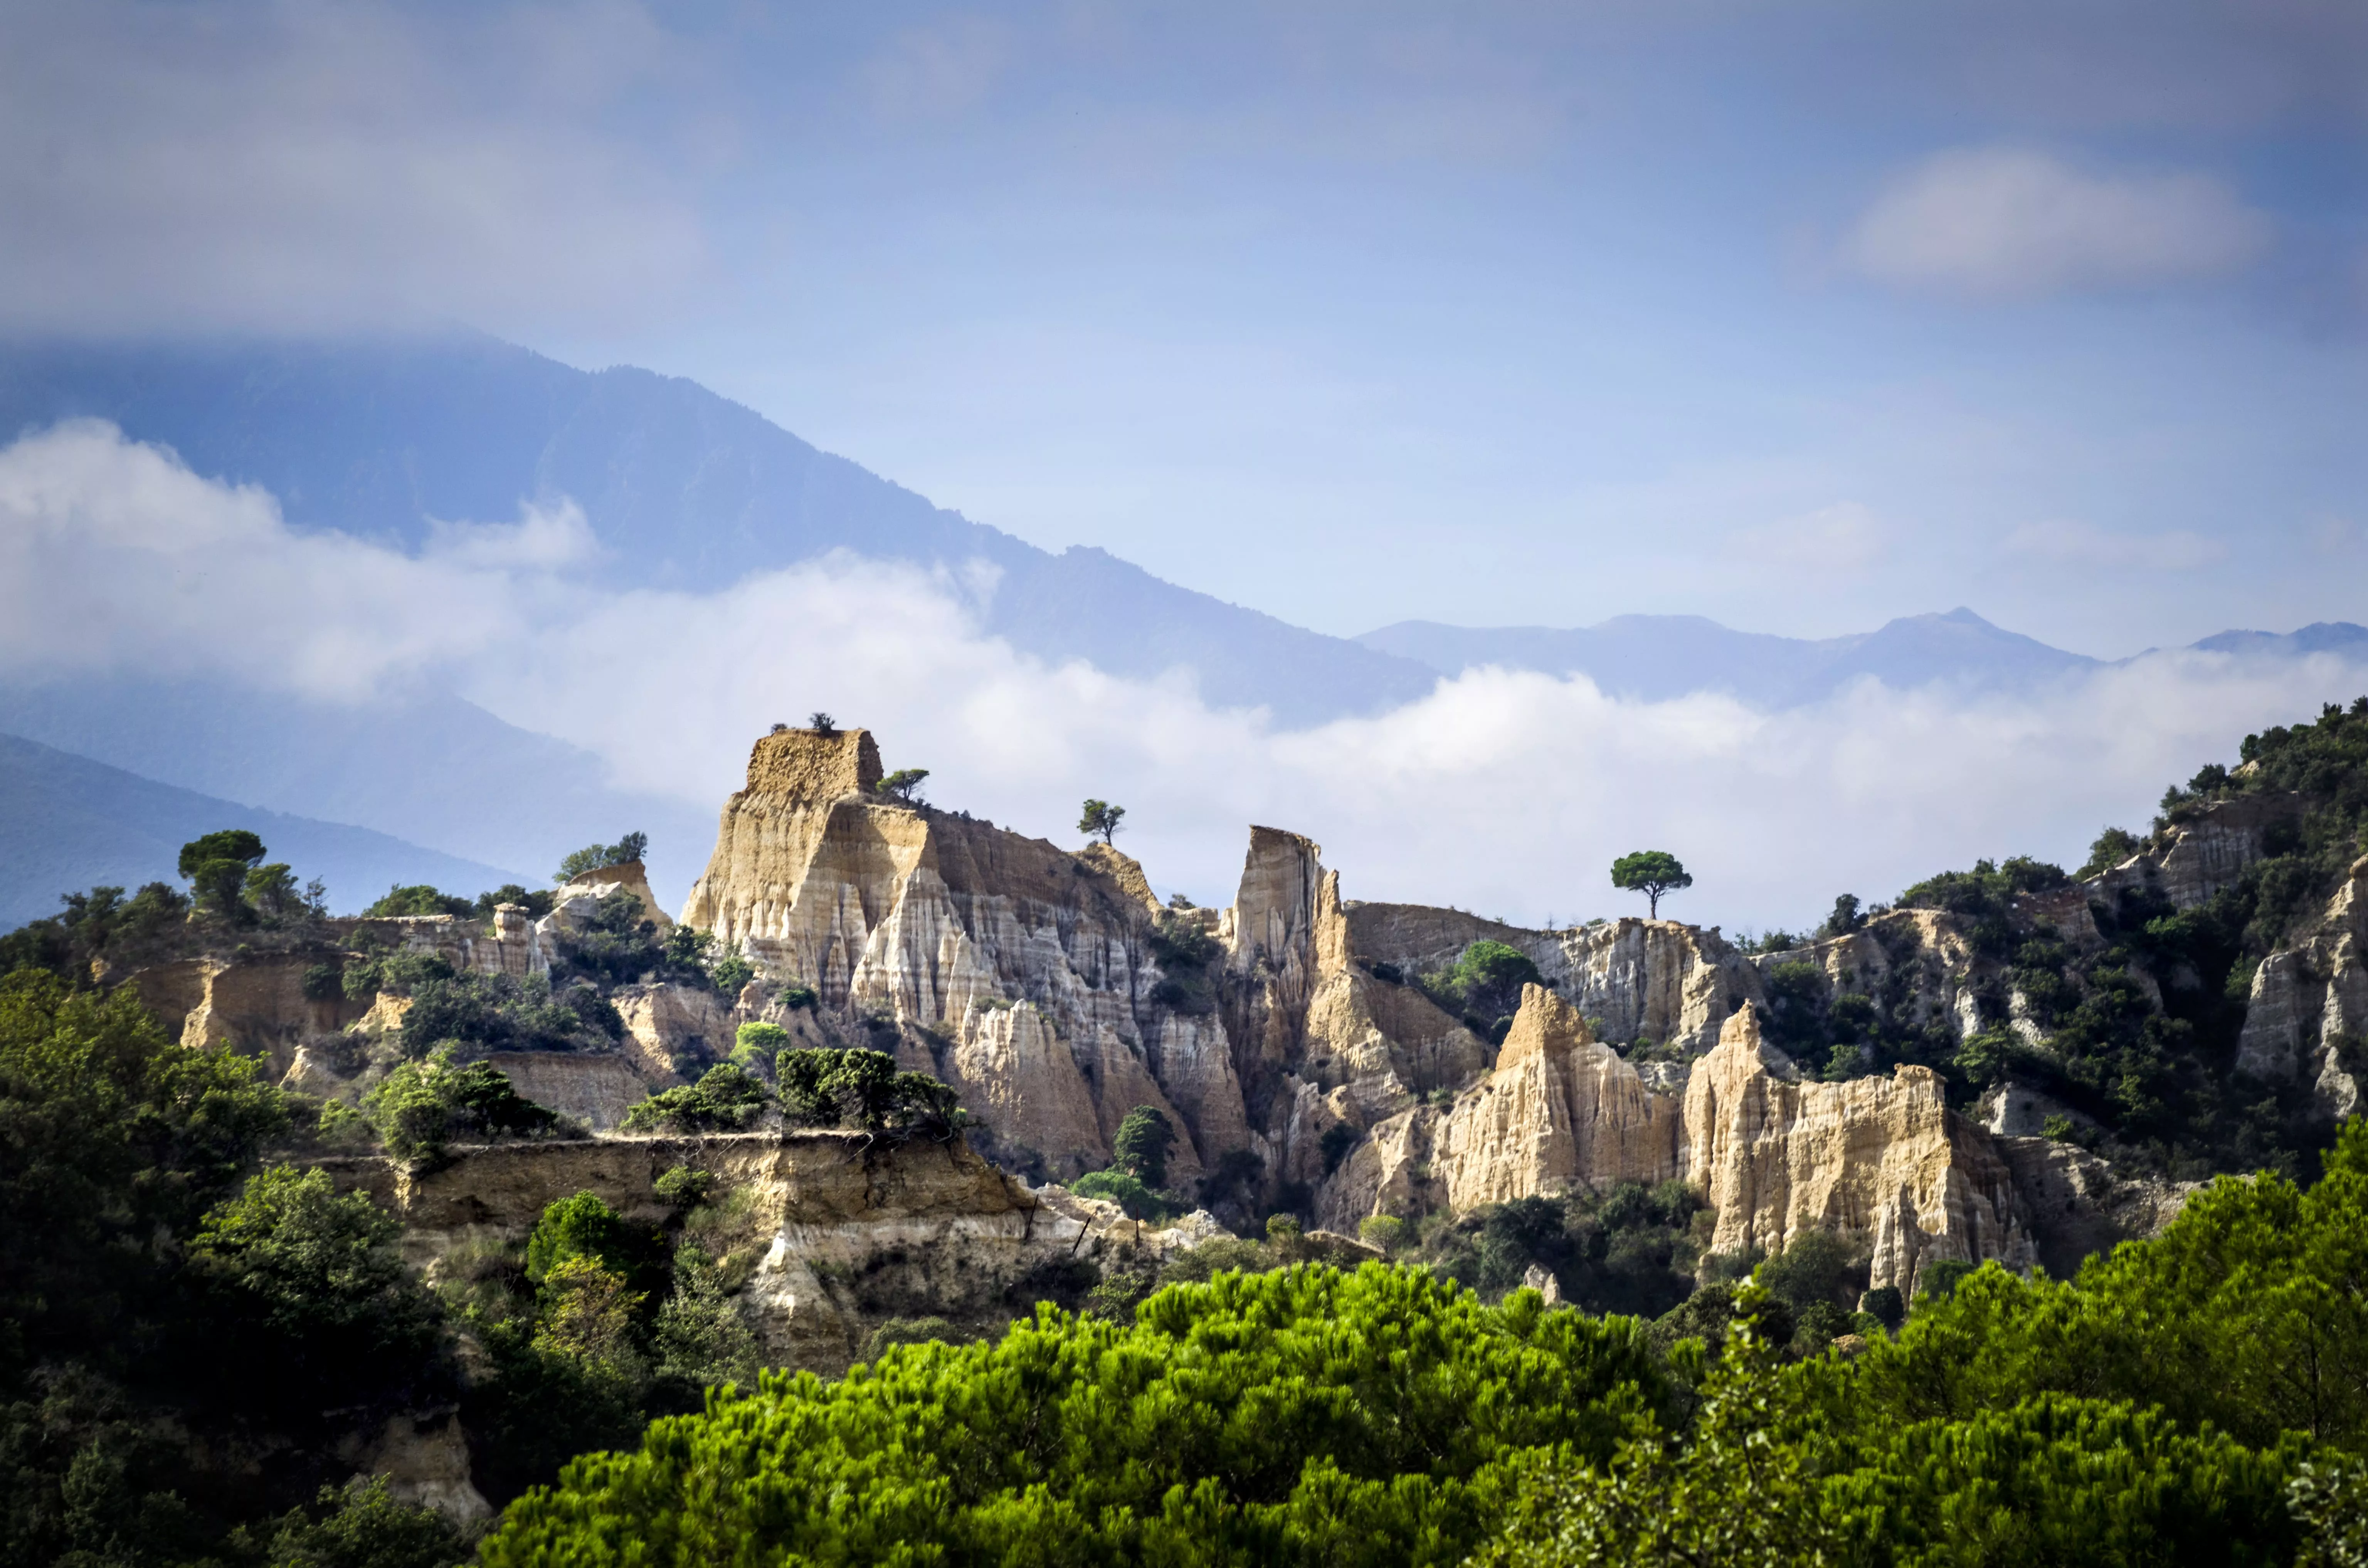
2083 544
1846 537
2006 223
1509 793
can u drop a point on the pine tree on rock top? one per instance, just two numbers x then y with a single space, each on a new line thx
1651 872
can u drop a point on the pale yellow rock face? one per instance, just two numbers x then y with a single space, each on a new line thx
248 1005
938 923
929 1227
666 1025
1560 1109
594 1089
1879 1161
626 876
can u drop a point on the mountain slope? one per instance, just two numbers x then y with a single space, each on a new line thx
1654 657
683 488
75 823
423 766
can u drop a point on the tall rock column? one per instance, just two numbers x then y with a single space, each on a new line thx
1561 1110
1881 1162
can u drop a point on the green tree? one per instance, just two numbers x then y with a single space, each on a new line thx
300 1278
1129 1192
215 867
114 1141
822 724
903 786
863 1089
1651 872
726 1097
419 899
420 1107
1100 818
755 1043
583 1226
361 1524
1145 1136
1301 1416
626 851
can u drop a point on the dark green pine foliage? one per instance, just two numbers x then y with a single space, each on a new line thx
1302 1417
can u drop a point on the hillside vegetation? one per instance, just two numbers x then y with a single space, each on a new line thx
203 1336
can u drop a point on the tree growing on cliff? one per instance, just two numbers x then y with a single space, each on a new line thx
215 867
1651 872
822 724
599 856
1142 1145
904 786
1101 819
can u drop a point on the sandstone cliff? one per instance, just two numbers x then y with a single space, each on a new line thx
2307 1020
833 1231
1283 1031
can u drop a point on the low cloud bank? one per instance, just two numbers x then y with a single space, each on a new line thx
1509 793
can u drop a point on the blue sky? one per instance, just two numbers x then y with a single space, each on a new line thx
1798 316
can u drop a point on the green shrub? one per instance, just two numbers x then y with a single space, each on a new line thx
600 856
1265 1419
863 1089
1127 1190
683 1186
1145 1136
296 1277
361 1524
420 1107
725 1098
419 899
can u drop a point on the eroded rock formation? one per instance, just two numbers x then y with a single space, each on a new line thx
836 1232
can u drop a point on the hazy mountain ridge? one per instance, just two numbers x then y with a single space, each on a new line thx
1655 657
76 823
682 487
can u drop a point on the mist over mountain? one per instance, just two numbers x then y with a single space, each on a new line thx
1652 658
362 635
385 438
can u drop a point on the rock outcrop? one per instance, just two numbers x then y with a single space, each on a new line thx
1882 1160
1285 1037
1020 973
2308 1021
836 1232
251 1005
1560 1110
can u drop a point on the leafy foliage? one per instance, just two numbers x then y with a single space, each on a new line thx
1651 872
419 899
420 1107
1627 1249
1304 1415
726 1097
1101 819
1141 1147
615 944
1484 986
1130 1192
97 927
293 1275
600 856
863 1089
903 786
482 1012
